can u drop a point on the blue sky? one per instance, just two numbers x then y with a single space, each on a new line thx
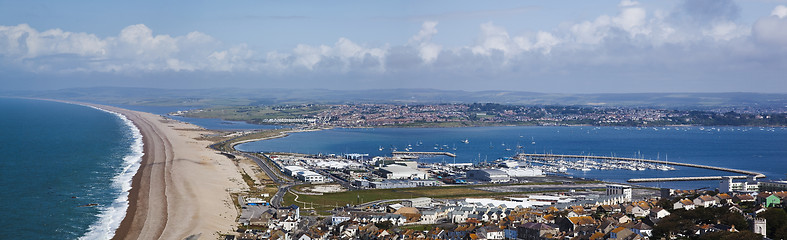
540 46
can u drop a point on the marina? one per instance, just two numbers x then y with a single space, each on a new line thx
637 164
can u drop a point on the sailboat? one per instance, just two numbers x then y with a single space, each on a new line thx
584 167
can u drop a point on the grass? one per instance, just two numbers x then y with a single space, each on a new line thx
227 145
256 114
325 202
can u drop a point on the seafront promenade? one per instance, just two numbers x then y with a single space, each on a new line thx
731 170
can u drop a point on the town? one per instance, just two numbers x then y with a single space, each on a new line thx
354 196
482 114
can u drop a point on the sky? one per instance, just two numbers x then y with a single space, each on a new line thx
538 46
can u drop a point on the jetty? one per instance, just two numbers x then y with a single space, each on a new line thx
395 153
731 170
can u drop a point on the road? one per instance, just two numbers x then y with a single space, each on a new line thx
284 184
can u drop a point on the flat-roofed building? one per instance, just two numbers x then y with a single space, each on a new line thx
615 189
488 175
401 172
422 202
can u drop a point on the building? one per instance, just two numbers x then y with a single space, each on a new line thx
523 172
620 190
386 184
401 172
773 186
705 201
304 174
422 202
726 185
311 177
488 175
685 204
536 231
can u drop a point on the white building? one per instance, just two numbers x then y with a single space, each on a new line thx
310 177
523 172
620 190
726 185
304 174
401 172
488 175
422 202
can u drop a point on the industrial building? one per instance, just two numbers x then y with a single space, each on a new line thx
401 172
523 172
304 174
422 202
488 175
386 184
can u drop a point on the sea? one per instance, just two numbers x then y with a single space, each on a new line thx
65 170
756 149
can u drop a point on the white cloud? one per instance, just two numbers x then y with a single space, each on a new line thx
634 35
628 3
780 11
428 51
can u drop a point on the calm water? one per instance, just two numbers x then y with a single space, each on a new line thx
55 158
757 149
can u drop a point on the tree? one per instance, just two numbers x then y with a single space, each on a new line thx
384 225
776 219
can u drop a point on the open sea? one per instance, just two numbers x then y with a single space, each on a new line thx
64 170
757 149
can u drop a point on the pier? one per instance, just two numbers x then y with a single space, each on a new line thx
744 172
423 153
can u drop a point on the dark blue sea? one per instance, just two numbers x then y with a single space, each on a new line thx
64 170
757 149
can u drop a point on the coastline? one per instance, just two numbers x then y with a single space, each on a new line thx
182 188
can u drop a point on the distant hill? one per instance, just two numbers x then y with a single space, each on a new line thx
229 96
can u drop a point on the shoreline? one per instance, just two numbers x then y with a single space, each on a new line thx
182 187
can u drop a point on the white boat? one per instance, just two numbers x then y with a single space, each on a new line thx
465 141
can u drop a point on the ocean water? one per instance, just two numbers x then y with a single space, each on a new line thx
757 149
64 170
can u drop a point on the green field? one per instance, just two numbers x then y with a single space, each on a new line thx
256 114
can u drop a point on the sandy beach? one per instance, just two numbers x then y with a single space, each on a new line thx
182 189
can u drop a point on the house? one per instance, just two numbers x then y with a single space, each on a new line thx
621 233
532 231
684 204
638 210
723 198
578 225
772 201
490 232
641 229
740 198
705 201
621 217
659 213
